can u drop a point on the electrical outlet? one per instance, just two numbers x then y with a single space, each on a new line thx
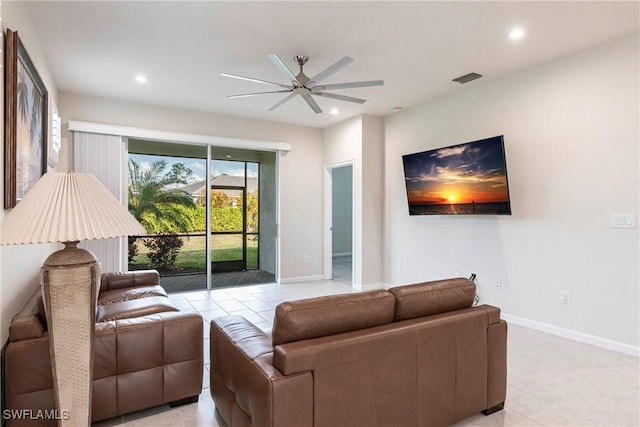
498 285
565 297
306 260
398 266
457 274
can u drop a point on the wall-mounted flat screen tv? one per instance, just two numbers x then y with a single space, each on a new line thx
464 179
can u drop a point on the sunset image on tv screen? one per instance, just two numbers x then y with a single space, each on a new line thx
468 178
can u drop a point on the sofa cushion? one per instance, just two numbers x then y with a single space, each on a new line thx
126 294
317 317
428 298
134 308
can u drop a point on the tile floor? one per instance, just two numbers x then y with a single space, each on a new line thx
552 381
342 269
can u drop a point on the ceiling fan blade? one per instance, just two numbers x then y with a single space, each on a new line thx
350 85
341 97
251 79
282 102
312 103
329 71
283 68
245 95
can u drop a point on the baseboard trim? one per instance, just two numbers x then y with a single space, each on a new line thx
574 335
313 278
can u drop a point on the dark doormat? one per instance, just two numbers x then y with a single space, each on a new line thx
198 282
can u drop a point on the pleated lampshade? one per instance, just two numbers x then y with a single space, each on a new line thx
65 207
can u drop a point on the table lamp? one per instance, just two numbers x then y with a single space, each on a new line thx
69 207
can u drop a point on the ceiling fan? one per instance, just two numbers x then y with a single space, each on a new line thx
305 86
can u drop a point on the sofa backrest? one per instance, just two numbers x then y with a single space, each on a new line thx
335 314
129 279
317 317
429 298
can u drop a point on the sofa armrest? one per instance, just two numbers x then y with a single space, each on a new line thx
245 383
147 361
162 338
493 313
27 368
129 279
25 326
496 356
497 363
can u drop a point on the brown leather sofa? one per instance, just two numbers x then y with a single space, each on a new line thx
417 355
146 352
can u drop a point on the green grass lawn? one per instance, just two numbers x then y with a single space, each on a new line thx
192 253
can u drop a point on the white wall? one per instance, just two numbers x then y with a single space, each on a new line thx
301 170
360 140
372 199
571 133
20 265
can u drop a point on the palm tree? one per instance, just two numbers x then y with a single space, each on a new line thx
152 203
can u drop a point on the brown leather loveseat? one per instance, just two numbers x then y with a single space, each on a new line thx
146 352
416 355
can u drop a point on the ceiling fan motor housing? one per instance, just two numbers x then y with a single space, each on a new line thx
305 86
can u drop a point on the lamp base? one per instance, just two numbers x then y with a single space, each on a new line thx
70 279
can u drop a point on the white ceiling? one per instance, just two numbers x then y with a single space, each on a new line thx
96 48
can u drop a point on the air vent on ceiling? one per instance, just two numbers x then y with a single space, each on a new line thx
467 78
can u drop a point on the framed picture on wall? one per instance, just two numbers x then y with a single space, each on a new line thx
26 122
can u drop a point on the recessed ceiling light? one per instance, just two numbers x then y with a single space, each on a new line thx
516 33
141 78
228 156
334 111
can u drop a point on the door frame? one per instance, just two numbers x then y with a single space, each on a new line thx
328 219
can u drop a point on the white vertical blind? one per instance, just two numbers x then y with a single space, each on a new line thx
102 156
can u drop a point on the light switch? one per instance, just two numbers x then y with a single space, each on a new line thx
623 221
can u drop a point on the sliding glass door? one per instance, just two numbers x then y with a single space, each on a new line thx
167 194
202 208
